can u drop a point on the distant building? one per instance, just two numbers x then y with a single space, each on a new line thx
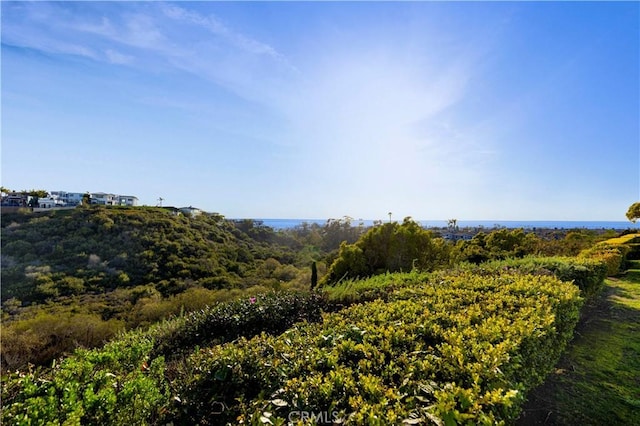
457 236
103 199
191 211
16 199
64 199
127 200
67 199
49 203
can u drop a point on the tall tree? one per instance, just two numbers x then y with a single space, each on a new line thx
388 247
633 213
38 193
314 275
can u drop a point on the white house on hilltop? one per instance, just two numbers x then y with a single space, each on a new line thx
49 203
191 211
113 199
103 199
68 199
127 200
64 199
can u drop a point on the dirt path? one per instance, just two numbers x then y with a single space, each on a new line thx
597 381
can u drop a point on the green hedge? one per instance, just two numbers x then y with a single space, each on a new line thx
271 312
612 255
628 245
586 273
462 349
382 286
124 382
117 384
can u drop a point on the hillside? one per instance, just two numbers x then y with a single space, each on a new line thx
446 348
97 249
78 277
464 343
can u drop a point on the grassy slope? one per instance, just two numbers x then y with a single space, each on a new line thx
598 379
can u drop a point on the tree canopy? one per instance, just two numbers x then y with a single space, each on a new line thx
389 247
633 213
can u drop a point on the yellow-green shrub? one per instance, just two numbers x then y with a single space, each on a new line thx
612 255
461 349
124 382
586 273
46 336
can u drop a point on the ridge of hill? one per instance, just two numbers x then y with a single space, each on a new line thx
98 249
77 278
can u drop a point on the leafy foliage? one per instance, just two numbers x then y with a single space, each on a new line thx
587 274
271 313
499 244
633 213
389 247
125 382
45 255
615 252
116 385
460 351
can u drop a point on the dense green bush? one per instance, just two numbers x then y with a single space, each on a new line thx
100 248
613 256
389 247
615 252
381 287
223 322
588 274
125 380
462 350
499 244
116 385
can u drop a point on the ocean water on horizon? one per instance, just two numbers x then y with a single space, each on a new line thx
531 224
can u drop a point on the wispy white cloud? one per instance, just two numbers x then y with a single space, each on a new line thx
354 118
116 57
216 27
20 32
155 34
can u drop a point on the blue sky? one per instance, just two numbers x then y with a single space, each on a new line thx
435 110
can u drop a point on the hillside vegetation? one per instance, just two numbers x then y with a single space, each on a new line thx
97 249
416 347
77 278
460 345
